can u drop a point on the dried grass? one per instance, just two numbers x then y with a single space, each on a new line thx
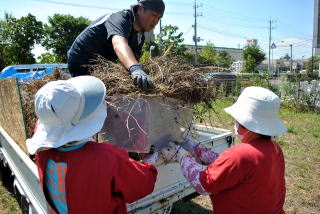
28 91
173 78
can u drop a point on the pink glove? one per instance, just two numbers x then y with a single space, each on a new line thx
174 153
202 154
189 144
191 171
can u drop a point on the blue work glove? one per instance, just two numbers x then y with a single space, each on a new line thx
140 78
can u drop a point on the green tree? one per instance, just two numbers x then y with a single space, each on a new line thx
250 64
60 32
189 56
172 39
208 54
18 39
146 50
48 58
1 61
224 59
253 56
316 61
2 44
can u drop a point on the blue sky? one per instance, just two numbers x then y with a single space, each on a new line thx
227 23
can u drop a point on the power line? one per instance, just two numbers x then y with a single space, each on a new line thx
235 22
252 19
184 34
284 34
98 7
296 44
286 50
222 32
76 5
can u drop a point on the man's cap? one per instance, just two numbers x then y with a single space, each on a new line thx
154 5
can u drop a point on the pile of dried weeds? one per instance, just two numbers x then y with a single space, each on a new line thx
28 91
173 78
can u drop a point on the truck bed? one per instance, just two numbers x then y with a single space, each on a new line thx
171 185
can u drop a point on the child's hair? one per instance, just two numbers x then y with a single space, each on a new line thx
266 137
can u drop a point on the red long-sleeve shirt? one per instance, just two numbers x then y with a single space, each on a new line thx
100 178
247 178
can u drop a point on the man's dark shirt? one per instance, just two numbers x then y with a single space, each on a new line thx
96 40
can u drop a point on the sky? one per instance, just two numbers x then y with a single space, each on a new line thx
225 23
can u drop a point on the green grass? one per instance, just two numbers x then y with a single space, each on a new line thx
302 155
8 204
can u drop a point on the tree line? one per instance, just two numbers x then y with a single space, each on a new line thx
19 36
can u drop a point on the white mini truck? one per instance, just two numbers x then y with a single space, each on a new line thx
19 173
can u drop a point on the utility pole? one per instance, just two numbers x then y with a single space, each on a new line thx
291 58
161 45
270 29
272 62
196 39
312 59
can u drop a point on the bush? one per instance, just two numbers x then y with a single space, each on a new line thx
296 99
293 98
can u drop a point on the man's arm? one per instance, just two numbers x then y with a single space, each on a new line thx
127 58
123 51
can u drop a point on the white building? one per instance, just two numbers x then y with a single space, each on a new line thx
235 53
237 66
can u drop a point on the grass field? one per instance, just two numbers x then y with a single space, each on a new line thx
301 146
8 204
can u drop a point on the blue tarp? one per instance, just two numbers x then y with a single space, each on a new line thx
7 72
24 76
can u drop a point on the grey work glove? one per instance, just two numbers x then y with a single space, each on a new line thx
140 78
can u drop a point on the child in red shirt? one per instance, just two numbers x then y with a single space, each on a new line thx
246 178
77 174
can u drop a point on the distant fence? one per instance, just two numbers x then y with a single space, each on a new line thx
296 89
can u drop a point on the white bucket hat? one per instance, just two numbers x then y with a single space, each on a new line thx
67 111
257 110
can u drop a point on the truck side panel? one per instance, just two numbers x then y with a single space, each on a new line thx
24 170
11 116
